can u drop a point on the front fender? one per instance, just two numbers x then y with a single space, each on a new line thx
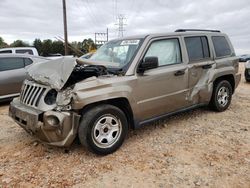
82 98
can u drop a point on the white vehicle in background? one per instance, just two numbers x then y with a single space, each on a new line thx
247 71
20 50
13 71
57 56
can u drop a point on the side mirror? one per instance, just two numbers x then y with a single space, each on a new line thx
150 62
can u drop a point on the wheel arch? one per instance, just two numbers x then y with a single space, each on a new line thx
229 77
121 103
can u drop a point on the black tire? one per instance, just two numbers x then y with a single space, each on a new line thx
221 105
89 129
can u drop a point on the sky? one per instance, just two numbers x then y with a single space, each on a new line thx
29 19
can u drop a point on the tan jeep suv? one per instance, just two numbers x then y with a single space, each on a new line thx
127 83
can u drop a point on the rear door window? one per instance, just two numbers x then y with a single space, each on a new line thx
24 51
197 48
11 63
221 46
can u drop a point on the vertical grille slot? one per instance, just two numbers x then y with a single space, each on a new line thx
35 95
22 92
31 95
26 93
39 97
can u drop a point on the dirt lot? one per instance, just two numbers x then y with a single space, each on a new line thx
197 148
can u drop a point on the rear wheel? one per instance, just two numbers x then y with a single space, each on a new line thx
103 129
222 96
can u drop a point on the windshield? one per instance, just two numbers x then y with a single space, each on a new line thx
119 52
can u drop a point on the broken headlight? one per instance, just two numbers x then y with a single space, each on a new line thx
64 97
50 97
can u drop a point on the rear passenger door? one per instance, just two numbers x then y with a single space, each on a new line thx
199 67
12 74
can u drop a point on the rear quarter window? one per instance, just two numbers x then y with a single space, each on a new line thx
221 46
27 61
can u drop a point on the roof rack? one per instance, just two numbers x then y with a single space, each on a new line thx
207 30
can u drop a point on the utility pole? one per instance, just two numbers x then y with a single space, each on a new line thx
65 28
120 24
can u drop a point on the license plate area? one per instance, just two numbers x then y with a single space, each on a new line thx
26 117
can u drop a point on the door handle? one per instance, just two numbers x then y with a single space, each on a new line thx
209 66
179 72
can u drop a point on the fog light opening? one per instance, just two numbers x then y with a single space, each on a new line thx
53 121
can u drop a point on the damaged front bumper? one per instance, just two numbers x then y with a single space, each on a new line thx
51 127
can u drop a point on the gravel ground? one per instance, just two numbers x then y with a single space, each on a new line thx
199 148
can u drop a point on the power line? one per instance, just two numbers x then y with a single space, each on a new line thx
89 9
116 9
137 11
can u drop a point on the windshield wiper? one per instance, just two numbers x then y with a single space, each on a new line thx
116 71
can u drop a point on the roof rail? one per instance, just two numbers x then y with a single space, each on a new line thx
207 30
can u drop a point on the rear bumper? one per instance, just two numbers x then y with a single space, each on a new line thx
52 127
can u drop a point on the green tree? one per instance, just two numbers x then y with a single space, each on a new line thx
57 47
19 43
38 45
88 45
46 47
76 48
2 43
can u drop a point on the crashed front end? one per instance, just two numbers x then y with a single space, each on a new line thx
42 120
44 106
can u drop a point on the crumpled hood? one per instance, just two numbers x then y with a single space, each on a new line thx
54 73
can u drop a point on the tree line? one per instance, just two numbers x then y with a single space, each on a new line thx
48 47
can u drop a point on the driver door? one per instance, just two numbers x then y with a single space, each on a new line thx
162 90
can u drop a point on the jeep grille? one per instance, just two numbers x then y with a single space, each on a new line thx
31 93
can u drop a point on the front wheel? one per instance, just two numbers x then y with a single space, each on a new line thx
103 129
222 96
